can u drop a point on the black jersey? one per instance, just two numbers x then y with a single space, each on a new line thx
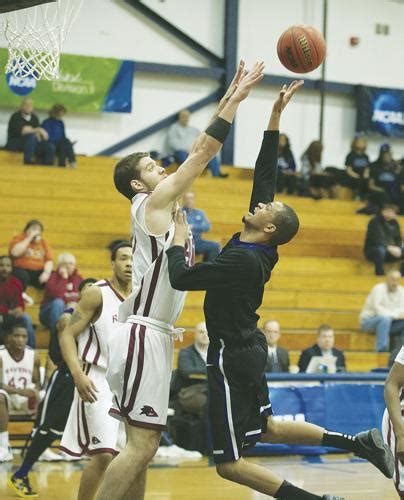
235 280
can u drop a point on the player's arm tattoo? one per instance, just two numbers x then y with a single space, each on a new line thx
76 317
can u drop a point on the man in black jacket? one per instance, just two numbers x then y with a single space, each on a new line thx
240 412
383 241
278 357
323 347
25 134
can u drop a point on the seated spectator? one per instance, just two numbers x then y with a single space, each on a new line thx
383 241
199 223
357 168
11 300
287 176
19 377
320 183
31 255
278 357
180 139
191 372
383 312
384 182
55 128
323 347
61 291
25 134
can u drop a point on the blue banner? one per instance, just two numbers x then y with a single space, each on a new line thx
380 110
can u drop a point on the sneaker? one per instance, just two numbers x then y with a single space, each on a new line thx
22 487
27 299
49 456
373 449
6 455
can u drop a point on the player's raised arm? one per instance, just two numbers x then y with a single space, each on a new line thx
266 166
392 389
208 143
86 311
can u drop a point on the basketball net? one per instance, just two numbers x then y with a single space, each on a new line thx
35 37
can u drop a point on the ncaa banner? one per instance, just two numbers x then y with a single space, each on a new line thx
380 110
87 84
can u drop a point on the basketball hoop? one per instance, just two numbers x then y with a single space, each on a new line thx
35 31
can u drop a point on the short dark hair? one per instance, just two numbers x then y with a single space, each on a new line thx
287 225
11 323
33 222
324 328
389 206
114 250
56 109
127 170
86 282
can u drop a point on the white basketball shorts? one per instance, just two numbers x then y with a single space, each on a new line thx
390 439
90 429
139 374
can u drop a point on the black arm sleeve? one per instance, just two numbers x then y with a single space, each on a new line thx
266 168
235 268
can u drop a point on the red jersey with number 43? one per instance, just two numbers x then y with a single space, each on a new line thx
17 373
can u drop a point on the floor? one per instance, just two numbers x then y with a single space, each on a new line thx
351 478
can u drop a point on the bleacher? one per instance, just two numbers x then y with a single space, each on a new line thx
322 276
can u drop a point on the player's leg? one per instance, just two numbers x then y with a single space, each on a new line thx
5 454
368 444
125 477
390 440
92 475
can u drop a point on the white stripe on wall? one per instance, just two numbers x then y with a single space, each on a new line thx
228 407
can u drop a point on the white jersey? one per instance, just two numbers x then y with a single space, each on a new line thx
17 373
152 294
93 342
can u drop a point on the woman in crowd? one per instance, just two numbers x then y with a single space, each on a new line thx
56 130
61 291
287 175
318 182
31 255
357 168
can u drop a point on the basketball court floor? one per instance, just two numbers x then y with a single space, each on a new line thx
196 480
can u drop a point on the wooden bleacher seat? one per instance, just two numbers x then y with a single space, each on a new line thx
322 275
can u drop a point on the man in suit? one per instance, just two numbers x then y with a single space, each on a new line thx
278 358
323 347
192 359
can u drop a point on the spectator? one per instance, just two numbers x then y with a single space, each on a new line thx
383 239
55 128
11 300
278 358
192 373
199 224
323 347
383 312
19 373
319 182
357 168
180 138
384 183
32 256
61 291
287 176
25 134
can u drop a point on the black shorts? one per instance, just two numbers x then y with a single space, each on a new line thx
239 402
54 409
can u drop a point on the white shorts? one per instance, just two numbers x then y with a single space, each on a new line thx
18 405
390 439
89 428
139 374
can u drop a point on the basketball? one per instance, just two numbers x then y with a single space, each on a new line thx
301 48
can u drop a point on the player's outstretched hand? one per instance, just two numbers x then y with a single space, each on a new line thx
286 95
240 73
247 80
85 388
181 228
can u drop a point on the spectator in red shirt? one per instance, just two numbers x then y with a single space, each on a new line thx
11 301
61 291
